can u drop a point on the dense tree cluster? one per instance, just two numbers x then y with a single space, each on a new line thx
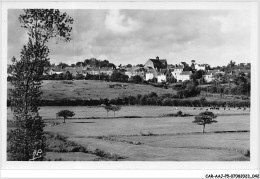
93 62
148 99
238 84
119 77
188 89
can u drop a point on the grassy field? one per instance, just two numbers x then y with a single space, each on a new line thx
150 137
49 112
91 89
160 139
156 138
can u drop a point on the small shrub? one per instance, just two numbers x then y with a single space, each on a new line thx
179 113
147 134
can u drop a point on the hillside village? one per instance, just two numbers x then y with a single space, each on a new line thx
156 70
189 80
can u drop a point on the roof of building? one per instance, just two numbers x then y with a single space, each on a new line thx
162 72
159 63
136 69
185 73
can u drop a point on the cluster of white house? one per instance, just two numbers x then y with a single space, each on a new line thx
157 68
152 69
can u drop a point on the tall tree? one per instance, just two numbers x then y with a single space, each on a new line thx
204 118
41 25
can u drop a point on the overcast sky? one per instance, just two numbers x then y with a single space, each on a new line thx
133 36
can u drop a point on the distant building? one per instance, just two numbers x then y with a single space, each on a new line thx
97 71
164 75
140 71
150 74
200 67
183 76
209 76
53 71
74 71
177 71
156 63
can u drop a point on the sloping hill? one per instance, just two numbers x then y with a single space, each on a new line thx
91 89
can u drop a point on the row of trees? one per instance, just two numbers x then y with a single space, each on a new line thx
166 100
67 113
92 62
115 76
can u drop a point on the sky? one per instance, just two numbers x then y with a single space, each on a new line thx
133 36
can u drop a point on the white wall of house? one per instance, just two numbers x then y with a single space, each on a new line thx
182 77
161 78
176 73
129 74
148 76
94 72
208 78
197 67
51 72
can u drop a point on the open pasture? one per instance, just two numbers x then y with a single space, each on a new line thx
162 139
151 137
135 126
92 89
49 112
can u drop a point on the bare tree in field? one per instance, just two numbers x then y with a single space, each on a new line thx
41 25
204 118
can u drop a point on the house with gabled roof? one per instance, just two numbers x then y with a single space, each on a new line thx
177 70
164 75
136 71
183 76
156 63
150 74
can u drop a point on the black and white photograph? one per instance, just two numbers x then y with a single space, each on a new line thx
120 84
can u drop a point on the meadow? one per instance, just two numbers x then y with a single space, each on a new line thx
161 139
49 112
137 133
148 137
92 89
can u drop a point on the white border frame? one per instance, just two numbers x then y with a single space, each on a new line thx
126 167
